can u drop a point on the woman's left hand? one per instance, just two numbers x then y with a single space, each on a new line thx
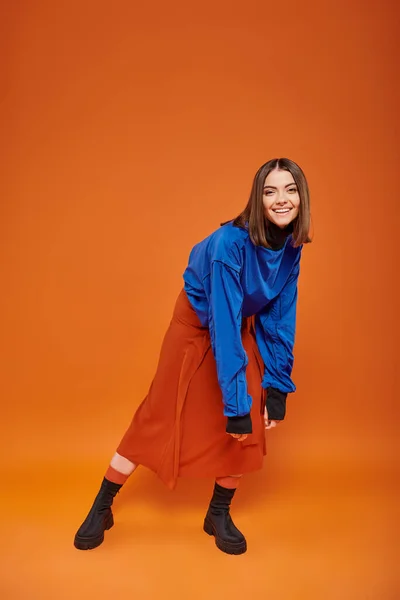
269 424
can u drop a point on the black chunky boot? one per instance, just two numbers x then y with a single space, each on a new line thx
100 518
218 522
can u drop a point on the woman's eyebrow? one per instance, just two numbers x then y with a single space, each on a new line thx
274 188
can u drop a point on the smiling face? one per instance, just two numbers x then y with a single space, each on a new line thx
280 198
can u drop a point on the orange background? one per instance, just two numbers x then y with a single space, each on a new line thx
128 133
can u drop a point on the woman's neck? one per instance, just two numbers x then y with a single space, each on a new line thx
276 236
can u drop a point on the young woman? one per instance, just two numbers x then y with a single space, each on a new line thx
225 366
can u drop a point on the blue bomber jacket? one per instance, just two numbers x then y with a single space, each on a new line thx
228 278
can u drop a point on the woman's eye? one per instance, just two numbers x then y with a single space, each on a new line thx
293 190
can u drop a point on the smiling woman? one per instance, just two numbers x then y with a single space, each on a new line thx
225 365
281 198
279 195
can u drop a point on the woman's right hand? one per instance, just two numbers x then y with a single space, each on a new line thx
240 437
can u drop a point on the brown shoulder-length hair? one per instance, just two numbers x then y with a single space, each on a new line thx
254 213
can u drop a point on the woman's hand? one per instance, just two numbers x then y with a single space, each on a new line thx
240 437
269 424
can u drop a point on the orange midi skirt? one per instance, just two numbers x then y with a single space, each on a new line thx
179 428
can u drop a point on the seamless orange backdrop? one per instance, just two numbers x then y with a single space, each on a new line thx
129 132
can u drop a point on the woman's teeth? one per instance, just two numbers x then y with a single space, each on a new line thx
281 211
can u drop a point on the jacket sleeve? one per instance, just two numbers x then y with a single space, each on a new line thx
225 320
275 334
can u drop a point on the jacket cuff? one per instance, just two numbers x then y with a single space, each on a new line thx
239 424
276 404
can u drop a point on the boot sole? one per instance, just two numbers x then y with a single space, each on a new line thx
226 547
82 543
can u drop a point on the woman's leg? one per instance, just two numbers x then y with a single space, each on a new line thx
120 469
100 517
218 521
231 481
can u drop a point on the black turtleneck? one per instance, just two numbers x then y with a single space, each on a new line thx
276 236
